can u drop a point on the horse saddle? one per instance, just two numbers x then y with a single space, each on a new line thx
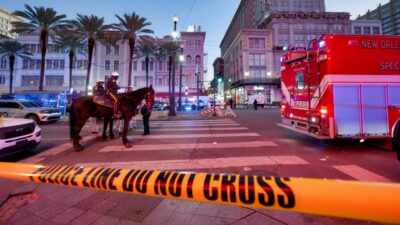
104 101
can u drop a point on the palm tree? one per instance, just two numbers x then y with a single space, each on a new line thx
132 26
72 44
170 49
92 28
45 20
147 49
13 49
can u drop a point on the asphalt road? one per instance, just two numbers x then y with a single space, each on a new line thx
248 144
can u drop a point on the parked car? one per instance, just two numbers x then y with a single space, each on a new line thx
29 110
160 106
18 135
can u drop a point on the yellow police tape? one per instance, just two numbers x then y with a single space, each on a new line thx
348 199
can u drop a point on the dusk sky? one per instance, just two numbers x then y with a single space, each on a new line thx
213 16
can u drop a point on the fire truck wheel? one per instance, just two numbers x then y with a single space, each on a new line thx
396 140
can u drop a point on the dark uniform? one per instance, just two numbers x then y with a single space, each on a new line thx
146 113
99 89
112 92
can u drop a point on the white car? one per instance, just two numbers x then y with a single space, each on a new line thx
17 135
29 110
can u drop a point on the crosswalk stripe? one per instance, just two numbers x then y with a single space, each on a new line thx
167 136
194 125
361 174
201 129
188 164
211 120
190 146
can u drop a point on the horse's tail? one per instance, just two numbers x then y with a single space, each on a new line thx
72 120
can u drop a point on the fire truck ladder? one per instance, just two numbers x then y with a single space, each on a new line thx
312 59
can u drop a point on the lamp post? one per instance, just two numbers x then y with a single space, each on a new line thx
173 58
198 83
181 60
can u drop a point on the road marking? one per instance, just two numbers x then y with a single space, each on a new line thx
201 129
170 136
211 120
192 121
194 125
361 174
187 164
190 146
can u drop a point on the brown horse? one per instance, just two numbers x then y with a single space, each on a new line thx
84 107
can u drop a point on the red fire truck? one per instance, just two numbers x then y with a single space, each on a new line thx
343 86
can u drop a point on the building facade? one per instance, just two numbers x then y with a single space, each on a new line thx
260 32
6 19
366 27
388 14
106 59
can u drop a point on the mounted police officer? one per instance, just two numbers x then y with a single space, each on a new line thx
112 91
98 89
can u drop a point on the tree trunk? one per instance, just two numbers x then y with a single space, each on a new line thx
71 64
91 43
131 51
147 70
11 64
169 75
44 36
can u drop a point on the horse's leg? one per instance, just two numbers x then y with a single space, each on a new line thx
112 136
125 140
104 135
78 127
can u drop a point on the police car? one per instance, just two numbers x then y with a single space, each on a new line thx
18 135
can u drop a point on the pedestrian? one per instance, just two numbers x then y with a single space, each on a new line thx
146 113
255 104
231 103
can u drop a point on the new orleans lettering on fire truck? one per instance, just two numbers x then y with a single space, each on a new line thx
343 86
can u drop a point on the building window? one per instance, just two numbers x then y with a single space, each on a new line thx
198 60
2 79
55 64
78 81
62 64
367 30
3 64
160 81
37 64
197 43
357 30
160 65
54 80
135 81
116 65
376 30
143 66
107 65
134 65
30 80
257 60
300 80
25 64
188 60
257 43
108 49
49 64
151 65
116 50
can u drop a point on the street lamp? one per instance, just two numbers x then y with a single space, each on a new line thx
173 58
181 60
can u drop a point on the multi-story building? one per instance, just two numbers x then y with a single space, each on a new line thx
367 27
106 59
389 14
6 19
261 31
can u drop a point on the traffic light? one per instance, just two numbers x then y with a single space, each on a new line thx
219 80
